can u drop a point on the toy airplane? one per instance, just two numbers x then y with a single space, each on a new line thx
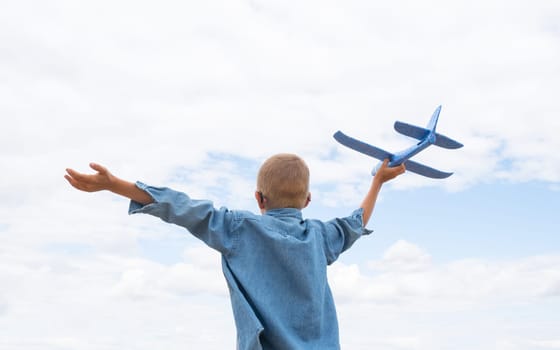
427 137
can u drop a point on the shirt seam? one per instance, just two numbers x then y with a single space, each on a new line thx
237 220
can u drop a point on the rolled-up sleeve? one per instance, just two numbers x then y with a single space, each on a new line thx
211 225
341 233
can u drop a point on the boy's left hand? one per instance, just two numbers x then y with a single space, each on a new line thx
103 180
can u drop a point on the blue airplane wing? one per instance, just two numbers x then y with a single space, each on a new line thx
362 147
424 170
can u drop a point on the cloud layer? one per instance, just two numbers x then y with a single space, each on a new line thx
400 301
171 83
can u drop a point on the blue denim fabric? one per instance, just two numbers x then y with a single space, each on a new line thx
275 266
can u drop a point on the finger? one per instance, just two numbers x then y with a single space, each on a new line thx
97 167
79 177
396 171
73 182
72 173
76 175
70 180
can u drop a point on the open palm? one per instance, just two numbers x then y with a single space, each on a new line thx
90 182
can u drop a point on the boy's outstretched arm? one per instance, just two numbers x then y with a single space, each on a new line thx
382 175
104 180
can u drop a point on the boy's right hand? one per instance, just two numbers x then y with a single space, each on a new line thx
103 180
386 173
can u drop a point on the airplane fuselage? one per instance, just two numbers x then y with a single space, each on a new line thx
400 157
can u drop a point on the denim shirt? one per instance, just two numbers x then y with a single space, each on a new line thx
275 266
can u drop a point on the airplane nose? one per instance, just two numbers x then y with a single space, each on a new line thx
376 168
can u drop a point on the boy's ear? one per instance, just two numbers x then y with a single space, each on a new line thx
260 199
307 200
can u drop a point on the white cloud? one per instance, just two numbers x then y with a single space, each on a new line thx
60 301
407 277
402 256
404 300
173 82
411 302
144 280
545 344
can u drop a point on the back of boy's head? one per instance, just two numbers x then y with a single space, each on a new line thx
283 180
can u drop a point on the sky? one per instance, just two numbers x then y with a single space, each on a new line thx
195 95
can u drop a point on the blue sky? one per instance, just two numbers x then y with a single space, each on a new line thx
195 95
501 221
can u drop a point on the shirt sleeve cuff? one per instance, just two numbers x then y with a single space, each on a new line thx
358 215
136 207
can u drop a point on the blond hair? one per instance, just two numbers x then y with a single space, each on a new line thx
283 180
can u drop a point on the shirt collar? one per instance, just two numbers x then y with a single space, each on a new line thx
285 212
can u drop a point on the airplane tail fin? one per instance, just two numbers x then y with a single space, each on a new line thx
433 121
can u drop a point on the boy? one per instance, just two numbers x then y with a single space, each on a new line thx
275 264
